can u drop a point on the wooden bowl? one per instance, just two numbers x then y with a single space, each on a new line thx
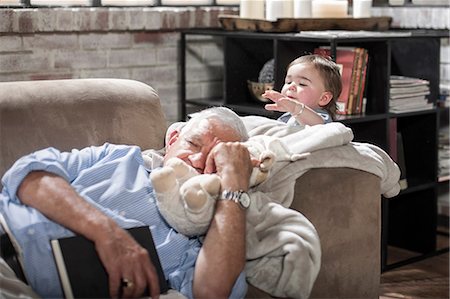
256 89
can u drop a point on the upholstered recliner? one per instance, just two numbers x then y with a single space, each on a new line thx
75 113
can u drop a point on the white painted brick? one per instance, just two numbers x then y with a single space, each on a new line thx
118 19
81 59
131 57
158 74
122 73
138 19
45 20
13 63
50 41
204 73
104 41
445 50
65 19
166 55
152 19
213 89
10 43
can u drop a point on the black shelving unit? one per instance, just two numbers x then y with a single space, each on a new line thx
408 220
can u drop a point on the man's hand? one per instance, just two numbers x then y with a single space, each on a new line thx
124 258
231 161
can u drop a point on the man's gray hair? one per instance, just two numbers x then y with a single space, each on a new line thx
225 116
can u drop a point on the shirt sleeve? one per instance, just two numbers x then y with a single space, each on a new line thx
64 164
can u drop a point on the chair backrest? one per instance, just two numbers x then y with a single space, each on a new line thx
75 113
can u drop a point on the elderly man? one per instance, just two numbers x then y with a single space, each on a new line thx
98 191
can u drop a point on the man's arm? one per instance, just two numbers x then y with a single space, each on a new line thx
222 257
120 254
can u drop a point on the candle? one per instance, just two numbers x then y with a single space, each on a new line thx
329 8
302 8
362 8
227 2
276 9
251 9
186 2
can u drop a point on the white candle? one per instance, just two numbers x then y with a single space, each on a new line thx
227 2
251 9
302 8
362 8
329 8
186 2
276 9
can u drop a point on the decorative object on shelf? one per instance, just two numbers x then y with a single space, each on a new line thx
266 81
256 89
251 9
329 9
266 75
302 9
362 8
277 9
233 23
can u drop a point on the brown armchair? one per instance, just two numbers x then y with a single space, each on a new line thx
75 113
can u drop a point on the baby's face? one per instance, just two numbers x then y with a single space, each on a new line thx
304 84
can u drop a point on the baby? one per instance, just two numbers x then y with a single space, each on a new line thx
311 88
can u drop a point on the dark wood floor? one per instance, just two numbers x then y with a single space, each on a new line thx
428 278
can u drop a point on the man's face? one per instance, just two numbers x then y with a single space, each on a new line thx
196 141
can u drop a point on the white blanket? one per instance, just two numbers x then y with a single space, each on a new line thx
283 248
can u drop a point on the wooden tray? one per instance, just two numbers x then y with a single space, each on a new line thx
233 22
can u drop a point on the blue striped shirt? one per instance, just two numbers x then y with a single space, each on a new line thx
113 179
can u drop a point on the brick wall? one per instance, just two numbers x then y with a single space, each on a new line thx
130 43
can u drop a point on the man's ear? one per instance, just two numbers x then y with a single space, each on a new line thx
172 137
325 98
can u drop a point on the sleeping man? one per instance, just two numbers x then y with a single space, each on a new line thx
98 191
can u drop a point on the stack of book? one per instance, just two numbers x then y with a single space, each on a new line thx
408 94
353 62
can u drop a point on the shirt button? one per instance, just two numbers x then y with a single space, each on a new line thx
31 231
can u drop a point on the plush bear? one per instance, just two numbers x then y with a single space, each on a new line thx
186 199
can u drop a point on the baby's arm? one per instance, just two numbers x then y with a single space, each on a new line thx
302 113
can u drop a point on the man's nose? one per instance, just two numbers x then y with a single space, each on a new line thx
197 161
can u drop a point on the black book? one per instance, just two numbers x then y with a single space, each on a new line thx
81 272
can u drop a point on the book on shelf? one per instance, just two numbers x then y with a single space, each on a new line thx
81 272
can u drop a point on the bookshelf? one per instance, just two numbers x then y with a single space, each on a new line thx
410 219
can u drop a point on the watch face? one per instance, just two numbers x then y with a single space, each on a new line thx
245 200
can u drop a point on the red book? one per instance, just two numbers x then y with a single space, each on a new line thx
345 57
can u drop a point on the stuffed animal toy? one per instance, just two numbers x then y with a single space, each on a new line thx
186 199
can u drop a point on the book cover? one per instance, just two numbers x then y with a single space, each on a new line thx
345 57
356 81
81 272
362 85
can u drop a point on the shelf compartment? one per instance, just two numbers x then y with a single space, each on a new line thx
408 228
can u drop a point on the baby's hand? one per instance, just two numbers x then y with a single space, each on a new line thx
281 102
272 95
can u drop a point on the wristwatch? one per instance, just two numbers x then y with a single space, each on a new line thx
240 197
